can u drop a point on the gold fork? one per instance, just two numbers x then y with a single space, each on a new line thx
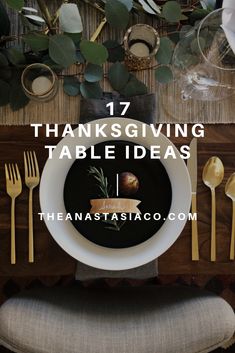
14 189
32 179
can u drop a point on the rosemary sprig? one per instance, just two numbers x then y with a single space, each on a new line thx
106 191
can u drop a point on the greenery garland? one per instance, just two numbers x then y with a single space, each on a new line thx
42 42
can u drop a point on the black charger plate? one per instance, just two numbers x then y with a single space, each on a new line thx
155 194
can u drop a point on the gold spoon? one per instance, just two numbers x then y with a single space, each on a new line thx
230 192
213 174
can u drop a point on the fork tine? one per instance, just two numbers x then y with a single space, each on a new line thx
13 173
17 172
36 164
29 164
32 163
7 172
26 165
10 173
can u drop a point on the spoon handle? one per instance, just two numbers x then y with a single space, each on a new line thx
213 226
195 251
232 244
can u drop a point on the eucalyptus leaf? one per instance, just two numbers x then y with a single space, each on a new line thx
36 41
117 14
4 21
171 11
70 18
15 56
29 9
3 60
154 6
208 4
71 86
187 60
118 76
35 18
93 52
185 31
62 50
146 7
15 4
195 45
134 87
18 99
128 4
198 15
49 62
5 93
91 90
165 51
115 50
93 73
76 37
163 74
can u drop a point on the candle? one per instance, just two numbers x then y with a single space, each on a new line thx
140 49
41 85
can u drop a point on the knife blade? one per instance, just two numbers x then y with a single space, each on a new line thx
192 169
192 164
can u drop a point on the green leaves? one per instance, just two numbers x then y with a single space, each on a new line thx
171 11
124 82
36 41
62 50
164 54
117 14
134 87
91 90
5 93
163 74
4 21
15 4
118 76
70 19
71 86
93 52
93 73
18 99
15 56
115 50
128 4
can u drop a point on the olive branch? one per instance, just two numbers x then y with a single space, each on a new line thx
105 192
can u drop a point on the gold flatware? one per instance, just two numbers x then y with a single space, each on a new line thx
192 169
14 189
213 174
32 179
230 192
98 30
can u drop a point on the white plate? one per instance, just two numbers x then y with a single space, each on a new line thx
64 233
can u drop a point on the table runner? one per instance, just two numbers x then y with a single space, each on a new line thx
64 109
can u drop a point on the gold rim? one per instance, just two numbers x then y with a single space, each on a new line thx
126 44
28 68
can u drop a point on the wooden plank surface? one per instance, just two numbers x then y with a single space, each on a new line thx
52 260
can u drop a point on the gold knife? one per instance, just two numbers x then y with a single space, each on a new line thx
192 168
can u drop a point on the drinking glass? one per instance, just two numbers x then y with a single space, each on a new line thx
204 59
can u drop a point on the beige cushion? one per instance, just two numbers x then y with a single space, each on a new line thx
123 320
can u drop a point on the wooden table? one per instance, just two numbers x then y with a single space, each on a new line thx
50 259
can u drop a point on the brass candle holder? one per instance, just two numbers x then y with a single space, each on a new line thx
141 43
39 82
